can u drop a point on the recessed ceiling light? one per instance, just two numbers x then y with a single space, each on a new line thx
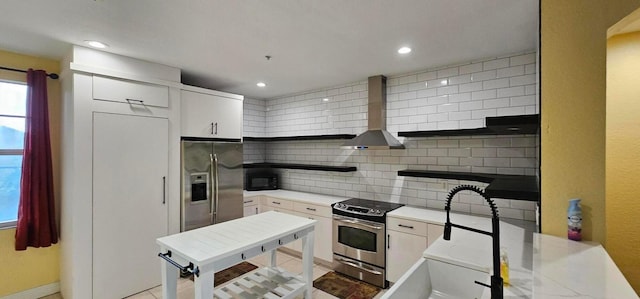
261 84
96 44
404 50
444 82
325 99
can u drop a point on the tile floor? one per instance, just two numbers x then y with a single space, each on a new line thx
290 263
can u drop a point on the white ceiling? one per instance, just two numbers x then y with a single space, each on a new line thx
221 44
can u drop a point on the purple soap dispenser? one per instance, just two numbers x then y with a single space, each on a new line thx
574 216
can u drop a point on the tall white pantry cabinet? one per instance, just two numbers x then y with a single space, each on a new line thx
120 172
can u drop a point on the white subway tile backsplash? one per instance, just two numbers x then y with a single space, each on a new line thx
407 79
523 101
497 83
459 96
446 90
439 100
511 111
522 80
462 115
471 68
511 152
466 78
448 161
523 59
469 143
475 86
511 91
530 68
495 64
449 125
497 162
483 113
497 142
471 161
483 95
486 75
474 105
511 71
447 143
496 103
459 152
448 72
437 152
427 76
483 152
425 93
448 107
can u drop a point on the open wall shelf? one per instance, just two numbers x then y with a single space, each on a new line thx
501 125
301 166
518 187
301 138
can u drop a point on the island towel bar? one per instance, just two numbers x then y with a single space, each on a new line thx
189 268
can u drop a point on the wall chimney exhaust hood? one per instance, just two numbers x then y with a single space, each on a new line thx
376 137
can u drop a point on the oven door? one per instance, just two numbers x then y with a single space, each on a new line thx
359 239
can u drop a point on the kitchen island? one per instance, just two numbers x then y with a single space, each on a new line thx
220 246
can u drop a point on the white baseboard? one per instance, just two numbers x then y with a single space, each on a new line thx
36 293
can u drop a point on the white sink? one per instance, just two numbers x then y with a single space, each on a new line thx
434 279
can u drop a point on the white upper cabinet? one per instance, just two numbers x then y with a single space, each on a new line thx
209 114
134 93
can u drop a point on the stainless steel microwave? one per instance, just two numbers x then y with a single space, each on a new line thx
262 181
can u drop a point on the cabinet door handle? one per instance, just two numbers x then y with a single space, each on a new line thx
214 128
406 226
275 202
311 209
256 210
134 100
164 189
388 241
249 201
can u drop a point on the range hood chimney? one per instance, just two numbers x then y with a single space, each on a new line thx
376 137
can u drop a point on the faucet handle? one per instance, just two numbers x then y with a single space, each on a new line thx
482 284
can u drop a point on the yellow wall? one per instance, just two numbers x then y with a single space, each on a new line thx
573 83
23 270
623 155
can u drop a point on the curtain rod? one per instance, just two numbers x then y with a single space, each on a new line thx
51 75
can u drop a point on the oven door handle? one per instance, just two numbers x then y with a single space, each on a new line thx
358 223
359 267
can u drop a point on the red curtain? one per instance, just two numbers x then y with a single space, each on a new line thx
36 212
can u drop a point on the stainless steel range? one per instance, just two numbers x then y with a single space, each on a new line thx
359 242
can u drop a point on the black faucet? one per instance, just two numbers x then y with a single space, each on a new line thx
496 280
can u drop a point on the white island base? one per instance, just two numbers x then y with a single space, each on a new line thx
217 247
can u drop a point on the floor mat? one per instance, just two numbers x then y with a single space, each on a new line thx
345 287
230 273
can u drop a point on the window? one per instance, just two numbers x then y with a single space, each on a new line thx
13 108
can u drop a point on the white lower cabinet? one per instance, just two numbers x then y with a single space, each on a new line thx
323 234
130 169
283 206
406 242
322 248
251 206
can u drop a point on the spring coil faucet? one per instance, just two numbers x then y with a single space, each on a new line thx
496 280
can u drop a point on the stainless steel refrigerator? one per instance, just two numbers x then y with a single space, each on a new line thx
212 182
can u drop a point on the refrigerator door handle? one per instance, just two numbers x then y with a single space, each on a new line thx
212 196
215 160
